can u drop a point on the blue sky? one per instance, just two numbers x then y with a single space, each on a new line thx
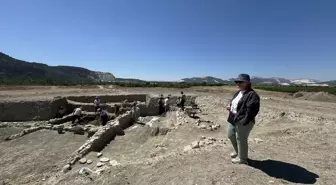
172 39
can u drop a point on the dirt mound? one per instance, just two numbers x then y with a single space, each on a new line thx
316 96
298 94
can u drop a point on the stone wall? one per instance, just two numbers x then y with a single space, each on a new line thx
89 107
103 136
30 110
109 98
152 107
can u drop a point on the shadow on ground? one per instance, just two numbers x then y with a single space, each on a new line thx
289 172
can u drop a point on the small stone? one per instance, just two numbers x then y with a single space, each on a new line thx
212 138
271 181
159 145
100 164
209 142
82 161
152 155
214 127
99 154
89 161
101 170
104 159
201 143
257 140
203 126
85 171
203 137
154 131
187 148
66 168
195 144
114 163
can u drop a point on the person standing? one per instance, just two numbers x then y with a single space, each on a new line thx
243 109
161 105
183 100
166 104
96 103
135 112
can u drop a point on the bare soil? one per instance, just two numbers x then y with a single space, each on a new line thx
293 142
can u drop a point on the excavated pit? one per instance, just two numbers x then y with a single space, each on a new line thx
41 118
47 109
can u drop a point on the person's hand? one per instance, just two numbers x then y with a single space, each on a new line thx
228 107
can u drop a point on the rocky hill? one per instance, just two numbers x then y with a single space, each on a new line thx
11 68
205 79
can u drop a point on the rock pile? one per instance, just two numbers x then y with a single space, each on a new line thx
265 98
204 142
205 124
181 117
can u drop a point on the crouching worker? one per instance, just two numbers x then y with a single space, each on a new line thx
77 114
103 117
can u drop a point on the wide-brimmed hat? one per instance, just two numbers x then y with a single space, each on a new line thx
243 78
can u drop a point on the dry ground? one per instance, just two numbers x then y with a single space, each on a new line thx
293 142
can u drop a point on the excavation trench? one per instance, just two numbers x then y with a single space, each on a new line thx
46 111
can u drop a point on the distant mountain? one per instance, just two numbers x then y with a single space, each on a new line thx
305 81
332 82
205 79
11 68
261 81
272 80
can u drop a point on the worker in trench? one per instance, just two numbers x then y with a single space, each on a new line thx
116 109
161 105
96 103
77 115
166 104
103 116
135 112
243 108
183 100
